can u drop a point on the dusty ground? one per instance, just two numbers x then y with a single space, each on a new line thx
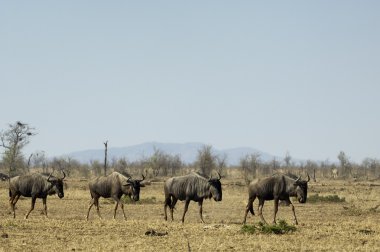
350 226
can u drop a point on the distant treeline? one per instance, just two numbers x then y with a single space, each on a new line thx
161 164
13 162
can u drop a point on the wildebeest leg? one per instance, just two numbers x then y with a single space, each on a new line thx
45 207
260 210
185 210
96 202
12 202
294 213
122 208
200 203
174 201
31 207
12 206
275 210
249 208
15 199
118 202
89 208
168 202
114 212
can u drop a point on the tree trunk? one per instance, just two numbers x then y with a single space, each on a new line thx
105 158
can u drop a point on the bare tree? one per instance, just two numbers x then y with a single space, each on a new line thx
221 163
29 161
345 164
371 167
96 167
274 165
158 162
311 166
58 164
121 166
105 157
206 160
250 165
13 140
325 168
175 164
287 160
66 164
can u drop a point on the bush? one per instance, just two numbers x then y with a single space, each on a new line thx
366 231
329 198
280 228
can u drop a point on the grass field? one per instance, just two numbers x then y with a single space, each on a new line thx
349 224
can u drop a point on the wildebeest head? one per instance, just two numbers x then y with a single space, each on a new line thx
301 189
134 186
57 185
216 188
3 177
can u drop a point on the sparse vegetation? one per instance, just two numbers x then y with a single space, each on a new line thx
316 198
322 227
280 228
366 231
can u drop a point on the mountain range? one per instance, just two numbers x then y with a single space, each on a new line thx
187 151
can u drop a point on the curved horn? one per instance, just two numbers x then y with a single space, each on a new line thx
308 177
298 179
142 175
48 179
64 175
219 175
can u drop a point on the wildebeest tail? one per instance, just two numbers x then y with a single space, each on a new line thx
168 201
168 198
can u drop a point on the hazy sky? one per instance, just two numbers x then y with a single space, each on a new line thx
297 76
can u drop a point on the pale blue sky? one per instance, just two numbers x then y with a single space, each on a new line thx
297 76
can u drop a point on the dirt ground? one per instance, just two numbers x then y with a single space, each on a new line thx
353 225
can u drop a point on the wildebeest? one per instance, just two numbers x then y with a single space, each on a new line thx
191 187
278 187
34 186
113 185
3 176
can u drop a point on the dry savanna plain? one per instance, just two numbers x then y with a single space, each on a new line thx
351 225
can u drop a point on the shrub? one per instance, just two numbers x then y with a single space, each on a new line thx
329 198
280 228
366 231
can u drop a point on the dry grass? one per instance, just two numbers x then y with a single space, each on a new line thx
340 226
